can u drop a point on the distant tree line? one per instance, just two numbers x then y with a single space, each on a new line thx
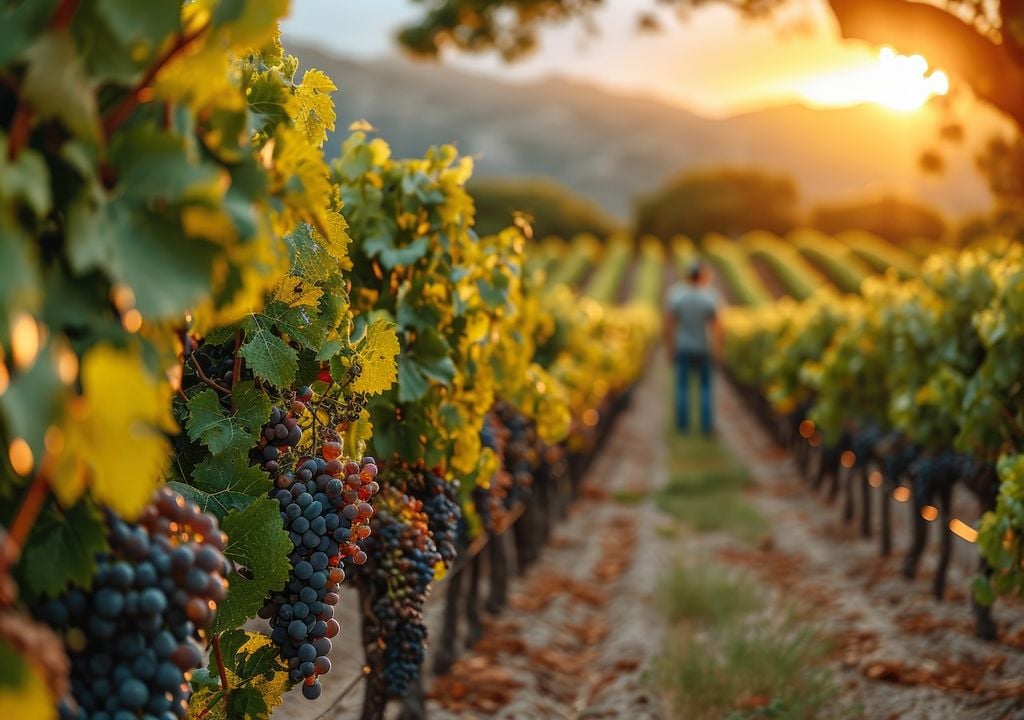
728 201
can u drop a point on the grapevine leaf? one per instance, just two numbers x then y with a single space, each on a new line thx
121 406
336 242
225 482
20 23
426 360
220 431
377 352
315 114
57 86
412 383
61 550
295 292
270 357
256 677
250 656
258 543
148 24
382 246
296 323
247 703
32 401
308 259
133 246
24 692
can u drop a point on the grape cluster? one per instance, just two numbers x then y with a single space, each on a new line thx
134 635
405 558
282 433
443 514
325 508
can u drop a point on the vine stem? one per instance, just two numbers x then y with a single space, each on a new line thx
219 657
20 125
64 14
25 519
123 109
205 378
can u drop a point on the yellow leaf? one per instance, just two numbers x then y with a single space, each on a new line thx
314 114
114 436
336 240
29 698
271 687
294 292
377 352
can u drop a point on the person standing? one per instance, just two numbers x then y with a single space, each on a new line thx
693 337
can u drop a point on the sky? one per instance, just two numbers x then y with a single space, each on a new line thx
712 61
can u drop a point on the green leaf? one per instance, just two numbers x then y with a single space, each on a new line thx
221 431
141 24
32 402
308 259
382 246
155 165
301 324
225 482
257 678
982 590
134 246
61 550
20 24
57 86
412 383
425 360
247 703
257 542
267 355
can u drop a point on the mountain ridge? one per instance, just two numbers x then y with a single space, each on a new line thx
615 147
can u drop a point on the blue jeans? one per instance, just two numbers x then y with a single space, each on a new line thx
687 363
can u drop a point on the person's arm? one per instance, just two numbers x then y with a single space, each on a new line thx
717 338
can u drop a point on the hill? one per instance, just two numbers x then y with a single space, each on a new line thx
600 143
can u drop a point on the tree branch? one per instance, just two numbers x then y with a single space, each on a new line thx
946 42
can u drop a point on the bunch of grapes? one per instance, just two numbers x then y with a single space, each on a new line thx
282 433
405 560
443 513
325 508
492 502
133 636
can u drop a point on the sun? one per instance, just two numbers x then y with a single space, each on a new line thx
898 82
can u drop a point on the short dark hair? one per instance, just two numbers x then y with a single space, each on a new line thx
696 270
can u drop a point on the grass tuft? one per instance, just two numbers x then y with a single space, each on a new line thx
705 594
745 670
705 490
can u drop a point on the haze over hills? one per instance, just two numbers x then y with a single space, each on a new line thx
613 147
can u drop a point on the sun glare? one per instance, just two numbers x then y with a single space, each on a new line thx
897 82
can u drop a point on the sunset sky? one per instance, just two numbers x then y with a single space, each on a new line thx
712 62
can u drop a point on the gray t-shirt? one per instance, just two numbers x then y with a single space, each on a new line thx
693 308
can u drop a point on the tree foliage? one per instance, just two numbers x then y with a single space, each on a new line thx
548 207
726 201
893 218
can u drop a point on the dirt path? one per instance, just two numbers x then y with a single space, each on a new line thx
581 628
